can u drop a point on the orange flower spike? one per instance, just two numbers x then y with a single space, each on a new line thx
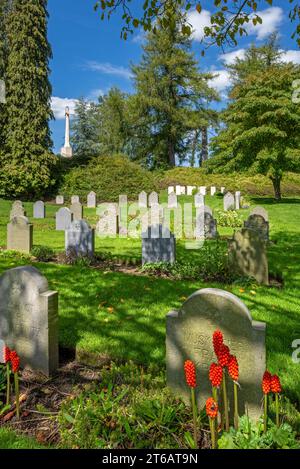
15 361
215 375
233 368
217 341
266 382
224 355
6 354
190 373
211 408
275 384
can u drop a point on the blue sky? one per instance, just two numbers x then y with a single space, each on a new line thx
89 57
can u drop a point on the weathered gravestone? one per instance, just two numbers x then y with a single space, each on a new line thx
228 201
178 190
153 199
260 211
189 337
143 199
202 190
17 210
237 200
199 200
258 223
77 210
63 219
107 225
206 225
29 318
39 210
75 199
80 238
59 200
190 189
19 234
170 189
213 190
91 200
222 190
161 248
247 255
172 200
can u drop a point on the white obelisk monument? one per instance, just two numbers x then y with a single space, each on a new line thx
66 150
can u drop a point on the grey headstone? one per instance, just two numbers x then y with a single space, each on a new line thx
19 234
17 210
258 223
63 219
143 199
202 190
91 200
189 337
29 318
39 210
172 200
178 190
75 199
213 190
107 225
260 211
158 249
237 200
153 199
199 200
247 255
210 226
59 200
77 210
80 238
170 189
228 201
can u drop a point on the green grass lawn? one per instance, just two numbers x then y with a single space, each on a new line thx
123 316
11 440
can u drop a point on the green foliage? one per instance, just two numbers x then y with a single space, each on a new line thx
229 218
26 161
42 253
171 100
130 408
210 265
262 123
250 436
109 177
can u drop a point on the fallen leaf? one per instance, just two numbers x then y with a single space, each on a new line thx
242 290
253 292
110 309
8 416
183 298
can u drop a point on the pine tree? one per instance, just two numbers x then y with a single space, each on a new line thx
171 99
85 130
262 124
26 167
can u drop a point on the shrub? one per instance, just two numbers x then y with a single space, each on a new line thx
230 218
42 253
109 177
71 257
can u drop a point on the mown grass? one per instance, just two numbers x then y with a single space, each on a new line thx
11 440
123 316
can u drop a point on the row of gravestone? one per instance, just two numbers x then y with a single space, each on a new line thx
29 324
190 190
91 199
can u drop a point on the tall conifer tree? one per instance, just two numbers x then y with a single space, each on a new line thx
27 164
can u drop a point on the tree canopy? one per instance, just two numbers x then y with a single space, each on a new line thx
228 21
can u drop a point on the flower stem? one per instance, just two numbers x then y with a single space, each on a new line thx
194 406
17 392
236 406
265 412
226 416
213 432
277 409
7 384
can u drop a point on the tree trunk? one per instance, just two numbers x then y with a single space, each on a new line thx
171 153
277 187
204 152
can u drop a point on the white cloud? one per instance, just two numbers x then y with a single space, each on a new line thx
291 56
220 82
58 106
271 20
110 69
230 57
199 21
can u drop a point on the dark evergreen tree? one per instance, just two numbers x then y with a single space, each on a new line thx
85 129
4 6
26 167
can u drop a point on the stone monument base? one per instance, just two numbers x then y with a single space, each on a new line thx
66 152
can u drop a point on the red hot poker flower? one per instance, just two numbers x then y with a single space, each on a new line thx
233 368
15 361
215 375
266 382
190 373
211 408
6 354
217 341
275 384
223 355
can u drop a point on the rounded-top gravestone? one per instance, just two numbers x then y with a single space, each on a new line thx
39 209
80 238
